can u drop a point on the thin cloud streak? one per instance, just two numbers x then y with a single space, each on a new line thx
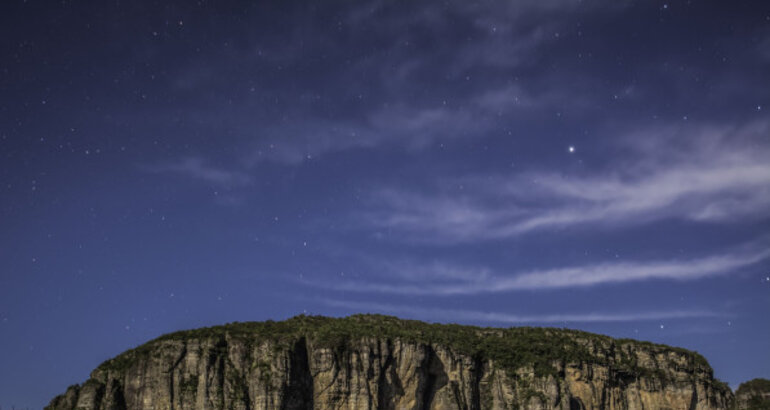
718 175
512 318
458 283
413 126
196 168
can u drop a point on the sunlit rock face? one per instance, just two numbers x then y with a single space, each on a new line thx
377 362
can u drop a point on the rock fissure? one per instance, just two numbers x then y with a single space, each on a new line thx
477 372
171 375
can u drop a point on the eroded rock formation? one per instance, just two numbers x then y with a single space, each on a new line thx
377 362
753 395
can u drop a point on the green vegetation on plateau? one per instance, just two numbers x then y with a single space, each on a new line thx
510 349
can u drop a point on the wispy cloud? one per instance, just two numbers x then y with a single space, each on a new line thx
410 125
197 168
437 78
474 316
714 174
458 280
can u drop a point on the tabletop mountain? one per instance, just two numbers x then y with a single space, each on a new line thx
381 362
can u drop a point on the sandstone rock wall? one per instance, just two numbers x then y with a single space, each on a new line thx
242 373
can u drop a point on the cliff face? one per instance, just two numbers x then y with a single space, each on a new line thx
753 395
374 362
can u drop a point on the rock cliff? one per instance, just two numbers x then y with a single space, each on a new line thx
753 395
379 362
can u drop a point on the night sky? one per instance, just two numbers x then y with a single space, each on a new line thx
600 165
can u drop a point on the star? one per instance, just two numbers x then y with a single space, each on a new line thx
571 149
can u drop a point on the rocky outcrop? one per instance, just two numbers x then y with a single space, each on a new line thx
377 362
753 395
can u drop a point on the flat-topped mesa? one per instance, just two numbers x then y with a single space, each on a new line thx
381 362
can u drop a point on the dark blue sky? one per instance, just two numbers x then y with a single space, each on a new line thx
600 165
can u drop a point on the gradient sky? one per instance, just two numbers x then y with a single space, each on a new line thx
601 165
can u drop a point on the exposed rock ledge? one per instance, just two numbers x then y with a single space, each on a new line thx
379 362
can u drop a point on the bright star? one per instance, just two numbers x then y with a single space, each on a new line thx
571 149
